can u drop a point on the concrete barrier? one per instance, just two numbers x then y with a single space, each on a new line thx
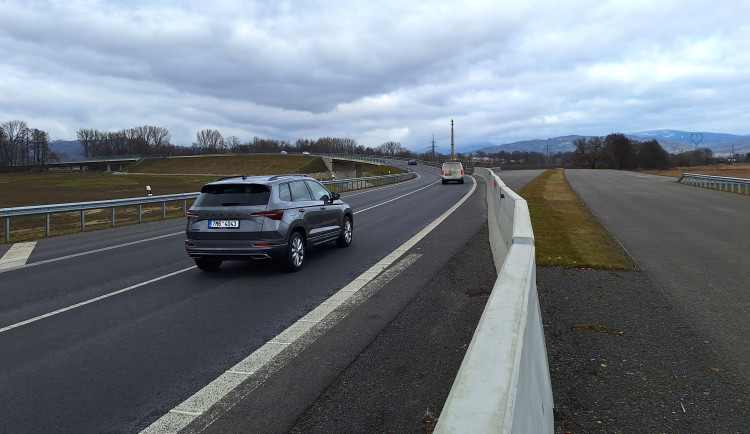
503 384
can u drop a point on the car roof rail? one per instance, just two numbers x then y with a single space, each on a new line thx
231 177
275 177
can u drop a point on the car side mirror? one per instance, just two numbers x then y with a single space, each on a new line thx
335 196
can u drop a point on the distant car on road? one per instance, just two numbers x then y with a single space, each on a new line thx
264 217
412 162
452 171
305 153
284 152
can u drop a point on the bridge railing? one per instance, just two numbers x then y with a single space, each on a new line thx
504 384
341 185
735 185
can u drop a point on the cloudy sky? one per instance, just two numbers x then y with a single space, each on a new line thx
377 71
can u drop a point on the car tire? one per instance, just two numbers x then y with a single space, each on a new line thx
295 252
443 182
345 240
208 264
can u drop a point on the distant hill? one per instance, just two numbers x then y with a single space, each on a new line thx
67 150
556 144
719 143
671 140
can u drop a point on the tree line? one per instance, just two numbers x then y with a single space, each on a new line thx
21 145
616 151
145 140
211 141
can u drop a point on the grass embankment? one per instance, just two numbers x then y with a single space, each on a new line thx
164 176
230 165
566 234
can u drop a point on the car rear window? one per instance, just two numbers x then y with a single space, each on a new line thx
233 195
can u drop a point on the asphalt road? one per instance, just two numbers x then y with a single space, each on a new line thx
388 366
107 331
692 242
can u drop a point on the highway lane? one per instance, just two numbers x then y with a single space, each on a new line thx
517 179
119 363
692 242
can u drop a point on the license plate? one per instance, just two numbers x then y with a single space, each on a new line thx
223 224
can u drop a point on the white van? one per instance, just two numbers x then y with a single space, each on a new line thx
453 171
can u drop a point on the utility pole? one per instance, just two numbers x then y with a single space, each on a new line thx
453 155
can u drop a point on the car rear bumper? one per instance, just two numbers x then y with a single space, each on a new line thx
240 250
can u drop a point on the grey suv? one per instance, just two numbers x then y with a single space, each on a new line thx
264 217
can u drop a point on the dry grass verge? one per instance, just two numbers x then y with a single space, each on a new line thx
739 170
565 232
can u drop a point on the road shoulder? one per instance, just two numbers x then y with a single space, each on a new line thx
623 360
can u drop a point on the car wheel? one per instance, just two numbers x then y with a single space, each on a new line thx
443 182
295 254
345 240
208 264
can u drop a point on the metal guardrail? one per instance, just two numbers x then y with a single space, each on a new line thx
716 182
82 207
340 186
344 185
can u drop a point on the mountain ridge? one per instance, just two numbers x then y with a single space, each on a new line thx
674 141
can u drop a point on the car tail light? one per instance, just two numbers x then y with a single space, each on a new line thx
442 173
462 172
191 214
273 215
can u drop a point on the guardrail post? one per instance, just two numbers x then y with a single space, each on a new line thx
7 229
46 224
112 220
164 210
83 221
140 212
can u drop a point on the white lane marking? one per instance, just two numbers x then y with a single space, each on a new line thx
17 255
396 198
89 252
93 300
269 358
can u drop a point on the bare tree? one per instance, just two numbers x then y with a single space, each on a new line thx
391 148
159 139
233 144
209 141
15 142
87 137
40 142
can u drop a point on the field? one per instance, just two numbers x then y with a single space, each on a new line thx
739 170
164 176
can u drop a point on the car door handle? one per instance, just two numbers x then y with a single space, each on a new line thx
301 210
